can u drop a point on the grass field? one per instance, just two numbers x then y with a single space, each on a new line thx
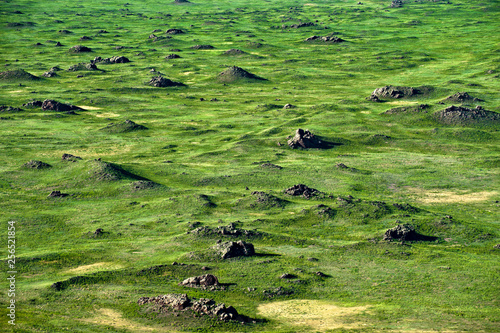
156 164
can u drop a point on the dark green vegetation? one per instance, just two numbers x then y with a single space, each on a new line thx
159 163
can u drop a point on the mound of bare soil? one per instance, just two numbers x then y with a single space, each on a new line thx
70 158
8 109
181 302
18 75
57 194
400 92
33 164
302 190
202 47
461 97
305 139
126 126
175 31
172 56
405 232
422 108
33 104
326 39
51 105
458 115
181 1
112 60
80 49
228 250
235 74
207 281
232 52
271 166
230 230
83 67
161 82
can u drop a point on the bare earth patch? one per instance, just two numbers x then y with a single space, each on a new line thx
319 315
437 196
110 317
98 266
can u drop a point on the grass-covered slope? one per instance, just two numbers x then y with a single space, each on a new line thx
172 157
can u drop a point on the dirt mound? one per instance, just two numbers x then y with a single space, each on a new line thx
234 74
33 164
228 250
422 108
181 1
458 115
303 190
174 31
105 171
327 39
254 45
143 185
57 194
65 32
230 230
80 49
126 126
400 92
18 75
51 105
305 139
202 47
234 52
265 200
396 4
461 97
70 158
112 60
161 82
405 232
271 166
173 56
33 104
8 109
181 302
207 281
83 66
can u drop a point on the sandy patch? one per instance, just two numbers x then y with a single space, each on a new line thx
107 115
437 196
310 4
110 317
98 266
15 91
85 107
319 315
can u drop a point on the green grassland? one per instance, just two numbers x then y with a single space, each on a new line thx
206 147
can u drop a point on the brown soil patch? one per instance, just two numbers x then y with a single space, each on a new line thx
319 315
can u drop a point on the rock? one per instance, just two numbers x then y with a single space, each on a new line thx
83 67
395 92
203 281
57 194
302 190
229 230
228 250
50 73
119 60
71 158
85 38
51 105
461 97
33 104
33 164
8 109
328 39
320 274
305 139
161 82
80 49
396 4
289 106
